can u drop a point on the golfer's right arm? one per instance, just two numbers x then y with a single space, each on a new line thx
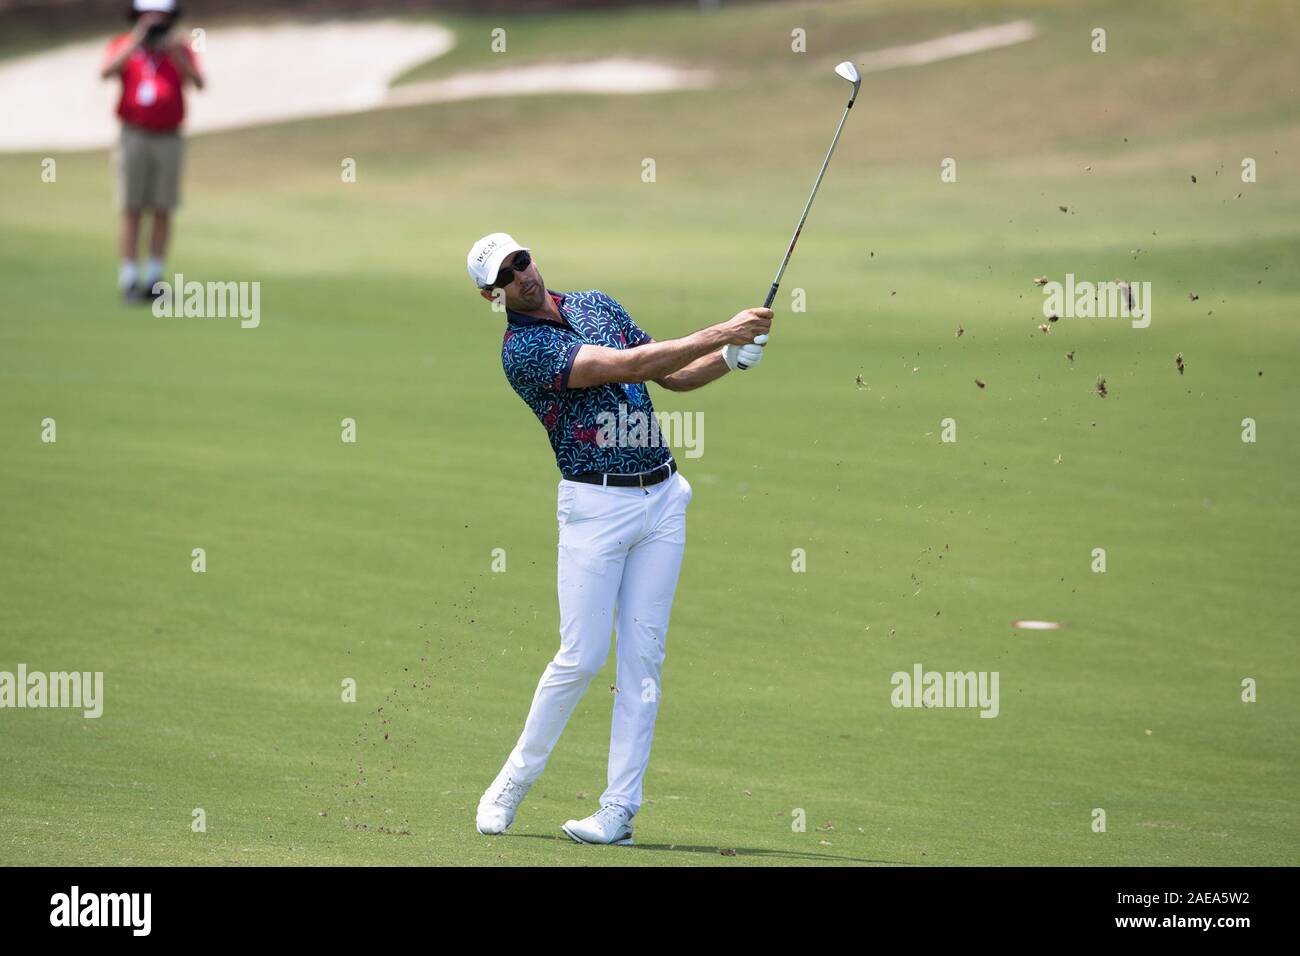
597 365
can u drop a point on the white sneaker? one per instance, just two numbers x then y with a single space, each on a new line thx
610 824
497 806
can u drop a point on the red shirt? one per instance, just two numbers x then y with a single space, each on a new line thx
152 94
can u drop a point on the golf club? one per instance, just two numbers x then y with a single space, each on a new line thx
850 73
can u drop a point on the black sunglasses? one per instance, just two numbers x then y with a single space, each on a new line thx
507 274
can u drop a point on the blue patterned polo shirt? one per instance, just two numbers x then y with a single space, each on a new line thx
609 427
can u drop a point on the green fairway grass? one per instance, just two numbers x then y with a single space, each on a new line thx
372 561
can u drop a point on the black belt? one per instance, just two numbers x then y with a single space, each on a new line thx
651 477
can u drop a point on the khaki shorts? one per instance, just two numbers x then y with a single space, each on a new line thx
148 169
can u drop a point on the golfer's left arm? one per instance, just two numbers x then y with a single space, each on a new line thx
701 372
710 368
707 368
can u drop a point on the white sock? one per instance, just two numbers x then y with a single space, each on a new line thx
153 272
126 274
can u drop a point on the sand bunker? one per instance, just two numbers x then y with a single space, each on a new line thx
947 47
54 100
256 75
598 76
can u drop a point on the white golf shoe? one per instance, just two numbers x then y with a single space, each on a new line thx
497 806
610 824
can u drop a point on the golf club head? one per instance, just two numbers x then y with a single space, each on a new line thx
850 73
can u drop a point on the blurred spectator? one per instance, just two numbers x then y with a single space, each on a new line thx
154 67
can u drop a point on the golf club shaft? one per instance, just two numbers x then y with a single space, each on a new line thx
771 293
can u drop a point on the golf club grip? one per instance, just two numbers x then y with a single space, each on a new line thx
771 296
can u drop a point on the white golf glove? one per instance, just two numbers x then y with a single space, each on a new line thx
744 357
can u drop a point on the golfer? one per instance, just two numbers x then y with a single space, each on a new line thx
154 68
575 358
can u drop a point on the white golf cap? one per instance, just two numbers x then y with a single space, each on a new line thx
154 6
486 255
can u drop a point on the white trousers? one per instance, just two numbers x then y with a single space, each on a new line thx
619 556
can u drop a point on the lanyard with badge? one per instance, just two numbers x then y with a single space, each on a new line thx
146 92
